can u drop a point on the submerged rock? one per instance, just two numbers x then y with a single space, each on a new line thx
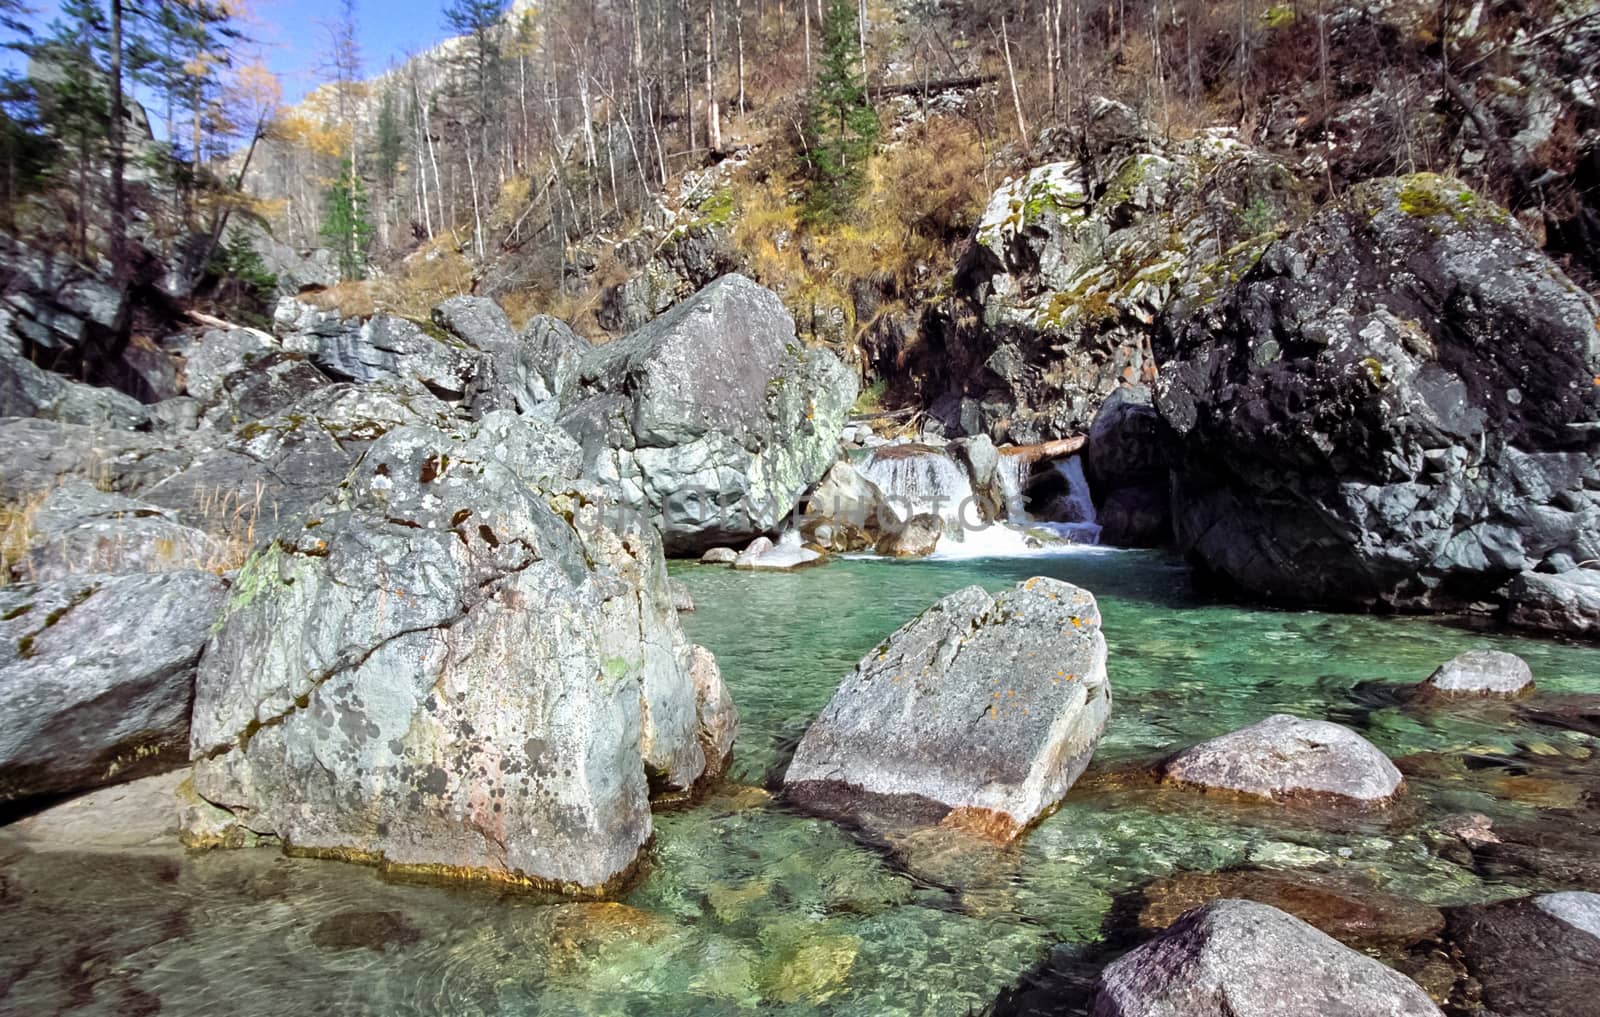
1284 757
1396 407
444 673
1355 914
682 599
1238 958
713 419
1481 673
982 711
97 673
1532 957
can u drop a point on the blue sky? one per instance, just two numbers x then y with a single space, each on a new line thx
289 38
388 29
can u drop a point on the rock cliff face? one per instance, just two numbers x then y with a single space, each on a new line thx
1399 406
456 667
711 420
1073 261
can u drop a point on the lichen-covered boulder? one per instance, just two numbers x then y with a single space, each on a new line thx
1073 263
1238 958
712 419
1396 407
1481 673
96 674
980 712
456 667
1286 757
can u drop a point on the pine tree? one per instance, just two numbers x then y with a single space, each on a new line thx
842 127
347 223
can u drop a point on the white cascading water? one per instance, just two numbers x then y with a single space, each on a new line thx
1019 535
919 479
1076 510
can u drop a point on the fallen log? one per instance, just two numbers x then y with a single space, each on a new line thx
1045 449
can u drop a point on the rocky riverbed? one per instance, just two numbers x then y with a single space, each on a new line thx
745 905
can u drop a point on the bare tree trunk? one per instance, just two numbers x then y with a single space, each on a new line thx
683 65
738 32
1016 98
713 113
805 30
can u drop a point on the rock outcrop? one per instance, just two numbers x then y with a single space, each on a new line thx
980 712
456 667
1073 262
1287 757
712 419
1481 673
97 673
1397 407
1237 958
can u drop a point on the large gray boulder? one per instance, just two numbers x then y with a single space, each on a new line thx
97 673
1237 958
1481 673
513 373
981 712
219 352
79 529
1287 757
841 513
712 419
456 667
1396 407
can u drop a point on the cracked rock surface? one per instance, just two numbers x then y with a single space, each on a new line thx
456 667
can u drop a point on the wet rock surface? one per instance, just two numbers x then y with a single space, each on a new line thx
981 712
1526 957
1481 673
1354 913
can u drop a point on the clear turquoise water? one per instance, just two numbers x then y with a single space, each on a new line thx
748 908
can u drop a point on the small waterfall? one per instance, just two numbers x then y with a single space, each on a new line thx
1074 511
1011 475
919 478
